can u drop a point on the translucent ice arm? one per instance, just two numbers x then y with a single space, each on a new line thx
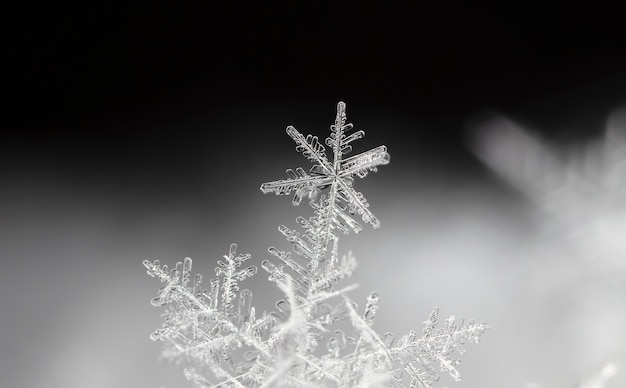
362 163
311 148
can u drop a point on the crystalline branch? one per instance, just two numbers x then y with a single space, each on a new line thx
220 340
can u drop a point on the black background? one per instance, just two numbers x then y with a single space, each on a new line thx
104 83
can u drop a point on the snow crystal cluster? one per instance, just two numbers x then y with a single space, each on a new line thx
212 330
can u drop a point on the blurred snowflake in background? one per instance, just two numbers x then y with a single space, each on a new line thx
315 337
580 254
581 190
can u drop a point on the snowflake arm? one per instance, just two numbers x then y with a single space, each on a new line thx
311 148
232 275
437 345
362 163
300 182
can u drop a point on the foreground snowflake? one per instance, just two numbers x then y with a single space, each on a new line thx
220 340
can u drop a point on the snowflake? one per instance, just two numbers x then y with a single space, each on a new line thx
216 335
337 175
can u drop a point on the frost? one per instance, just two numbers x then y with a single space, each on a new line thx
215 334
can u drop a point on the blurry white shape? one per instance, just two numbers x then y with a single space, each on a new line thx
612 375
582 190
581 256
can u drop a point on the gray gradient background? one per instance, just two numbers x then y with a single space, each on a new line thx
131 143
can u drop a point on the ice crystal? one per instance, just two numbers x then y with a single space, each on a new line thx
220 340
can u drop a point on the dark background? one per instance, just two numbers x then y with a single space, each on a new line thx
79 73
